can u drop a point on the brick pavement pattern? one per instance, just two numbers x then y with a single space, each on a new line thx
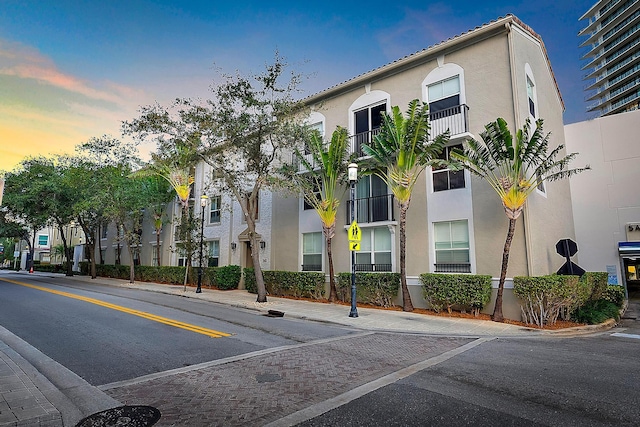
262 389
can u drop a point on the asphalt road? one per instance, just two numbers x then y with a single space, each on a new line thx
590 381
104 345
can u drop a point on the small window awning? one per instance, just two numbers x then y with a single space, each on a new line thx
627 249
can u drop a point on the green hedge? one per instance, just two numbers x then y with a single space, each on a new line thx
614 294
50 268
546 298
597 280
226 277
465 291
304 284
371 288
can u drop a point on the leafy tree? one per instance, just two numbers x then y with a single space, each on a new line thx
513 167
242 133
325 172
175 163
31 194
90 175
399 154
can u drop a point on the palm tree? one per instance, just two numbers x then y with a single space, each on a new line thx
325 170
513 168
399 154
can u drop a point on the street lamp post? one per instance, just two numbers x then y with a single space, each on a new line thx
203 204
353 178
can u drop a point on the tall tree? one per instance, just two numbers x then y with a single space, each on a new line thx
320 179
513 167
399 154
243 133
89 174
34 196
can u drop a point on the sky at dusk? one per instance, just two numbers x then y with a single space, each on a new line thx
73 70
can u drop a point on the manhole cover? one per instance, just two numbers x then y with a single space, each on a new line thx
123 416
268 378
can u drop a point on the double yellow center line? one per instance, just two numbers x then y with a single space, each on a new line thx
193 328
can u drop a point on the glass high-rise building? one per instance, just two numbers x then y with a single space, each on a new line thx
613 62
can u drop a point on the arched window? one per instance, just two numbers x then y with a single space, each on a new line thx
365 117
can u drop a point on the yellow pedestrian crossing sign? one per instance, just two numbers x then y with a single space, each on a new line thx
355 234
354 246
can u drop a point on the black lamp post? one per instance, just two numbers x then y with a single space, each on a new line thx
353 178
203 204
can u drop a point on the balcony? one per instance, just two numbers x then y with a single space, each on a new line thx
455 118
372 209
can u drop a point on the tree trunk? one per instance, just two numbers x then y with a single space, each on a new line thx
99 237
255 257
158 247
407 305
333 293
497 311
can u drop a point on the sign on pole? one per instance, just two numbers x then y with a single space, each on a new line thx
355 236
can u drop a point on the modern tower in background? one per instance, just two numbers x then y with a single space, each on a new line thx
613 67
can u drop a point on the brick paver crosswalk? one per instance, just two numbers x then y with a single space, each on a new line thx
260 389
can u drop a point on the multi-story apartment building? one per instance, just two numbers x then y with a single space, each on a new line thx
456 223
613 61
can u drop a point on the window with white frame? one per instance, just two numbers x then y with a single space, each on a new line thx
215 203
367 122
155 255
312 251
531 97
315 127
443 177
182 257
444 98
316 193
43 240
136 255
375 250
451 240
213 253
104 228
373 201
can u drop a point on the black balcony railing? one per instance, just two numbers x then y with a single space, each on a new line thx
360 139
373 267
456 119
446 267
311 267
372 209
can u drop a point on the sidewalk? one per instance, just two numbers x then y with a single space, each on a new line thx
368 318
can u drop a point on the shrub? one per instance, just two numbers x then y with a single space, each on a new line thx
227 277
594 312
250 280
371 288
466 291
50 268
597 280
614 294
305 284
543 299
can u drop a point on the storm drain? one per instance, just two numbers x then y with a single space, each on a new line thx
268 378
123 416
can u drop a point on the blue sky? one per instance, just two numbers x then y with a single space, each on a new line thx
72 70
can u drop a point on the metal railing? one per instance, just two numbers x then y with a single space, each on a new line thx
372 209
456 119
311 267
446 267
373 267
